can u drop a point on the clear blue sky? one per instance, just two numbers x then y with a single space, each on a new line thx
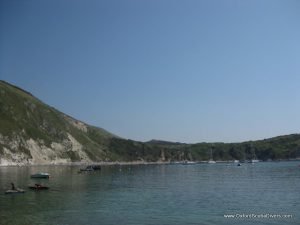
188 71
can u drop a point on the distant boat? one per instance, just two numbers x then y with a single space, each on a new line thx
236 161
189 163
254 158
211 160
176 162
38 187
90 168
41 175
253 161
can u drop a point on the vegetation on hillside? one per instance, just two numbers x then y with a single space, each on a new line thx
278 148
22 116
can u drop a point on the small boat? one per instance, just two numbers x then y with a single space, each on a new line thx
87 169
175 162
15 191
38 187
189 163
254 158
90 168
96 167
40 175
211 160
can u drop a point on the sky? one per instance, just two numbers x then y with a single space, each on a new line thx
176 70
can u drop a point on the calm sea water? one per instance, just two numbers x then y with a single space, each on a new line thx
155 195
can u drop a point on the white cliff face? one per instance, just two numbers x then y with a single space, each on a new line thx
10 155
77 147
31 132
11 158
39 153
17 150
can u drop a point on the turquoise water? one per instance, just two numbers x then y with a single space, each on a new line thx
154 195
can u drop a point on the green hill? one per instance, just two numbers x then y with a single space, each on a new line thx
32 132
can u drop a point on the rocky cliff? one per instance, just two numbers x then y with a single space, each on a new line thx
32 132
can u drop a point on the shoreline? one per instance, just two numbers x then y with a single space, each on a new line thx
84 164
124 163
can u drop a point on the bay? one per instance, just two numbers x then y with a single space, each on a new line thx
260 193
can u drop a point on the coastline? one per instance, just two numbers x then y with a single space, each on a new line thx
84 163
124 163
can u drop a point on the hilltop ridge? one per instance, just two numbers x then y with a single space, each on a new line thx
32 132
35 133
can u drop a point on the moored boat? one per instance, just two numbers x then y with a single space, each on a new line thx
211 160
253 161
38 187
15 191
189 163
90 168
254 158
41 175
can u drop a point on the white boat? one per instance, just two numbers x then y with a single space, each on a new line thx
15 191
254 158
253 161
211 160
189 163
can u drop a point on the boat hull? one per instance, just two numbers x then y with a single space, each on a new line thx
90 168
17 191
37 188
41 175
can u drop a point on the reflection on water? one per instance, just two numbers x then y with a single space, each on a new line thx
153 194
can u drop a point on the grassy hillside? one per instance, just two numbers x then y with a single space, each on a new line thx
31 131
23 117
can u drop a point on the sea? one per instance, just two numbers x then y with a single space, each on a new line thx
175 194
